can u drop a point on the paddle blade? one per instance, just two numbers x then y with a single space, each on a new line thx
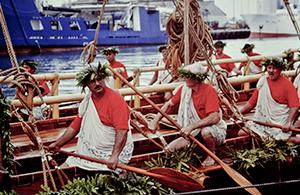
177 180
239 179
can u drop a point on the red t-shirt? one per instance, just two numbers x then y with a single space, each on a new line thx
112 110
282 91
117 64
256 62
205 100
226 66
44 87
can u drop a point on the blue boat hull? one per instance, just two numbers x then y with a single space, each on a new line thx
32 30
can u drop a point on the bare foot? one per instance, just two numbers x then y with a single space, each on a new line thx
208 162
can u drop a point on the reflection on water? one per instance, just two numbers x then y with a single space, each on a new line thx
140 56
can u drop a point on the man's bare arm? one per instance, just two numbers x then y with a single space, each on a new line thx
68 135
212 119
120 141
153 124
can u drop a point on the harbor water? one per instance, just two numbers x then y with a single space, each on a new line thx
138 56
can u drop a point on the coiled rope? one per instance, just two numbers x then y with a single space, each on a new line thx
201 48
175 49
201 45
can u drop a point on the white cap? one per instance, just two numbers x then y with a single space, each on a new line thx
196 68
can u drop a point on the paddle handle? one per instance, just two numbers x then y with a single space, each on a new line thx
275 125
119 165
161 138
136 126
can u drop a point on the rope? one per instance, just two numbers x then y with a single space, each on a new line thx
175 49
10 49
26 86
240 187
200 47
89 52
292 16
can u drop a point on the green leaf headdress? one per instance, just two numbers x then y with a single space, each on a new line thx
277 62
33 64
247 48
219 44
194 71
110 50
84 77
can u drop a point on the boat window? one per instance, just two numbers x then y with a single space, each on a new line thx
55 25
91 25
74 25
36 25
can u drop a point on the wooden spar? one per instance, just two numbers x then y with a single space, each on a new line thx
52 76
148 89
273 125
166 176
245 59
186 32
78 97
236 176
47 76
68 76
253 78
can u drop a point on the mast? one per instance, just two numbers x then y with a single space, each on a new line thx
186 32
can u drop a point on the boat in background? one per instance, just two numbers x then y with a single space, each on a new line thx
55 28
276 23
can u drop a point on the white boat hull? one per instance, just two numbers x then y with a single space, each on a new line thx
270 25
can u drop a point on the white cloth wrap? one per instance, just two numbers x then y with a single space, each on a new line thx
253 69
84 104
268 110
164 76
297 84
97 140
187 115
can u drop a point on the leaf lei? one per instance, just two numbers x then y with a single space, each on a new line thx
189 75
84 76
6 145
276 62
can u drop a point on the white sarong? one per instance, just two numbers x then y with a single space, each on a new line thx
253 69
164 76
187 115
97 140
268 110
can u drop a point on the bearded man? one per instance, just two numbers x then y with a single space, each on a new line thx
102 124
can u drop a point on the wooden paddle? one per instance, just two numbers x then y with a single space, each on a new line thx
168 177
237 177
136 126
273 125
143 121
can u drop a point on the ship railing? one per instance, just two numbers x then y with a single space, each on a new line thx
139 71
54 99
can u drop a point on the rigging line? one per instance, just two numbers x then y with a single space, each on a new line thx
292 17
241 187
